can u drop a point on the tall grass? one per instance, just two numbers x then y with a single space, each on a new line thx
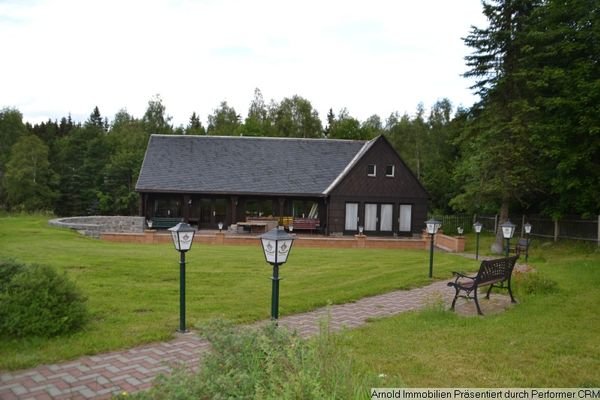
270 363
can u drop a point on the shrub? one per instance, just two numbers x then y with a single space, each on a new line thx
533 283
270 363
35 300
8 269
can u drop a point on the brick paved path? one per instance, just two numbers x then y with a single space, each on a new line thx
100 376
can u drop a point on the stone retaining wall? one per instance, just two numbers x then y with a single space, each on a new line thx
93 226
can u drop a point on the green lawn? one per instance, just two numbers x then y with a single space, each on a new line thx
133 289
547 340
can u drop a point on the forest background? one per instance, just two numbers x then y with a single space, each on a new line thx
531 144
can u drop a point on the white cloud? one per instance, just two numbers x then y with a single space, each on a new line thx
66 56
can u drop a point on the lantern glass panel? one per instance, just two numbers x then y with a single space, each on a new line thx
269 248
185 240
283 250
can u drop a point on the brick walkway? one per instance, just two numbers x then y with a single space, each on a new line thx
101 376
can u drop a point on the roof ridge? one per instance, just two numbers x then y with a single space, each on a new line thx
258 138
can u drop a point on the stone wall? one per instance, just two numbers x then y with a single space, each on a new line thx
93 226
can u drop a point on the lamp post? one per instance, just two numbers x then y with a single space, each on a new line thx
183 237
432 228
508 230
276 245
477 227
527 227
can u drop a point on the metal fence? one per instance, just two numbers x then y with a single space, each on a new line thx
569 228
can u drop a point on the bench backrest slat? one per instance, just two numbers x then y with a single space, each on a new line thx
493 270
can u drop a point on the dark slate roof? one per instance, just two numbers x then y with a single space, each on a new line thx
246 165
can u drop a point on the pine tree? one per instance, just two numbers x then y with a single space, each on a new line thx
497 167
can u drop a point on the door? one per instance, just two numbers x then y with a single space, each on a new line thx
213 211
351 221
220 212
371 217
379 217
405 219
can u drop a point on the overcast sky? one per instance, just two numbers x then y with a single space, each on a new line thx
372 57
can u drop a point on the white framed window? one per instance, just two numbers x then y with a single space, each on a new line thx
387 211
390 171
351 223
371 170
371 217
405 220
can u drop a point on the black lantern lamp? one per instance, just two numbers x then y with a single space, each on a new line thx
460 230
432 228
508 230
220 224
527 227
477 228
276 244
183 237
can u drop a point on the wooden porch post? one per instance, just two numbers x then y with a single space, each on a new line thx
234 203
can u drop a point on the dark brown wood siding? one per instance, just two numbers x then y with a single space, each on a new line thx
358 187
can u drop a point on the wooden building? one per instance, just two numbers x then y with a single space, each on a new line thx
338 185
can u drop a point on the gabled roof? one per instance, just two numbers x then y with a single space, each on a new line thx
246 165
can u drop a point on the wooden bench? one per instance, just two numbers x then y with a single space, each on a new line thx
306 224
491 272
165 222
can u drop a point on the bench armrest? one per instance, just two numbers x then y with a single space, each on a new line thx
461 275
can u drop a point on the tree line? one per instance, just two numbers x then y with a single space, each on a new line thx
530 145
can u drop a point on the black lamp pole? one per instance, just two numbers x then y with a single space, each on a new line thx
432 227
276 245
275 293
183 237
477 227
182 291
431 256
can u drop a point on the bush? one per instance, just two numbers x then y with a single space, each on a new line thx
533 283
270 363
35 300
8 269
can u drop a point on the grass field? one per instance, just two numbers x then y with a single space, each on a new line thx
551 339
133 289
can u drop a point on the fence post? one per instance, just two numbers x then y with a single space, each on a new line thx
522 225
556 229
495 224
598 230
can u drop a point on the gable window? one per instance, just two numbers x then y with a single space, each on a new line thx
390 171
371 170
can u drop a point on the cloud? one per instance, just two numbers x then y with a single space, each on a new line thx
373 58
